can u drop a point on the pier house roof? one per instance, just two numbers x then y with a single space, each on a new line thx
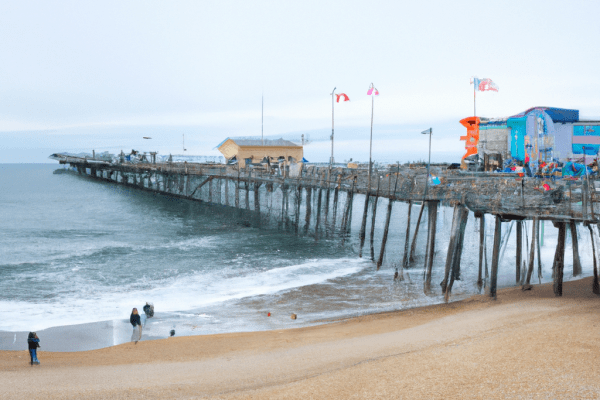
254 150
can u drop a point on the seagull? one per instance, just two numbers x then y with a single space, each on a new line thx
146 137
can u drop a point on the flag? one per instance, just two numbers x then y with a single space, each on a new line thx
484 84
344 96
371 89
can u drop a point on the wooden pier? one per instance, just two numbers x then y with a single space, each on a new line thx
278 193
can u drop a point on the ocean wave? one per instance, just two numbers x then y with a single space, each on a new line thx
113 248
91 303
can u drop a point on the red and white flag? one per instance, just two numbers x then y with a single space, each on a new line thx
372 90
343 96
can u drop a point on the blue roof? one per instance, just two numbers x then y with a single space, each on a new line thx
556 114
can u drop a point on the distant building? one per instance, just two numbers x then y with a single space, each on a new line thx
255 151
539 134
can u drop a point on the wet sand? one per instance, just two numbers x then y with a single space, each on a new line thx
527 344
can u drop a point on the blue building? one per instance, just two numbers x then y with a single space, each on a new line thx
540 134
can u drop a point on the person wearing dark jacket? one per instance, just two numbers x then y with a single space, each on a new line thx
34 342
136 322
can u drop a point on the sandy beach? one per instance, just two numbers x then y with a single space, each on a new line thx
525 344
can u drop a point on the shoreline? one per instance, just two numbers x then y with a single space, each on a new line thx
524 344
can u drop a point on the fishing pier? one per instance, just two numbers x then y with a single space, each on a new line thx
278 192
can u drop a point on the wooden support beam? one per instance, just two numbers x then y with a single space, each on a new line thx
575 245
237 191
363 225
209 179
404 264
346 218
327 198
455 273
335 202
481 250
226 192
413 247
287 205
210 191
319 196
432 207
283 196
539 250
451 245
534 237
595 284
495 257
298 203
248 193
459 245
519 250
257 201
385 233
560 259
308 209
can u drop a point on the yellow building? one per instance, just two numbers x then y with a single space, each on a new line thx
256 150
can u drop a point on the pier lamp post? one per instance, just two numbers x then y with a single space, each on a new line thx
429 132
332 103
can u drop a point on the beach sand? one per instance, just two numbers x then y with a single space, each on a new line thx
525 344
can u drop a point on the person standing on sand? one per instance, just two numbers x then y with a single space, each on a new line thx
34 342
137 326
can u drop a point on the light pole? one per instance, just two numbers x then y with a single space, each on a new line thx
371 92
425 132
331 160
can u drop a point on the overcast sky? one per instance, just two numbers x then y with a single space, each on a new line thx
103 73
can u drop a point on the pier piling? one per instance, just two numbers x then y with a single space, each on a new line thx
519 250
559 259
575 245
495 257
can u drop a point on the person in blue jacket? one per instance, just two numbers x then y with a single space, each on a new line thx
34 342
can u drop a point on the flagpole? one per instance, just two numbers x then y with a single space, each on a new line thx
371 143
474 107
262 118
332 103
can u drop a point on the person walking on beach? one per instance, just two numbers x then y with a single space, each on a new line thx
137 326
34 342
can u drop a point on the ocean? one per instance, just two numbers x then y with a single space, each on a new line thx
75 251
